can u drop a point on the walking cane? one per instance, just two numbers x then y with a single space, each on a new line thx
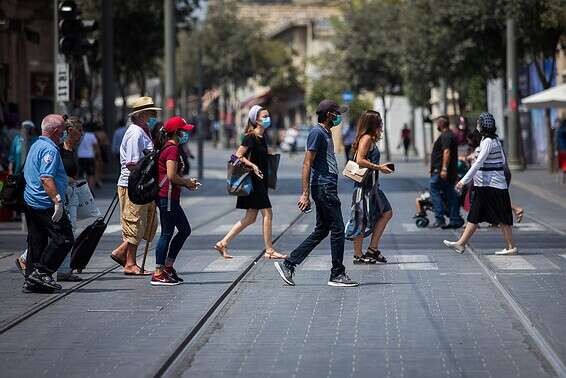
142 269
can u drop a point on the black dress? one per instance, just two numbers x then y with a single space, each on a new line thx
257 154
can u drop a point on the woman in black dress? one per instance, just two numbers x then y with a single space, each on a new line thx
253 153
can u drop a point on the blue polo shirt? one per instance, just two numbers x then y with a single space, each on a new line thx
324 167
43 160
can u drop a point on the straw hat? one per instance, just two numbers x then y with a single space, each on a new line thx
142 104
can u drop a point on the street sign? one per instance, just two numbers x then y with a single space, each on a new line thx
62 85
347 97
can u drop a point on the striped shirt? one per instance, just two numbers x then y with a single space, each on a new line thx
488 169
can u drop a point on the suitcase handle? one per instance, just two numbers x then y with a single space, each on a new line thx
111 209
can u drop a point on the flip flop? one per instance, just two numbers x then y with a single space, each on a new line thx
116 259
520 215
223 251
138 273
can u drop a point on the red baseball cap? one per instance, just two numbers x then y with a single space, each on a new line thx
177 123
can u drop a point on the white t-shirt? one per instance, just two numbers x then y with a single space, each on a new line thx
86 148
134 142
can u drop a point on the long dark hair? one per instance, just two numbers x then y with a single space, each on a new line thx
368 124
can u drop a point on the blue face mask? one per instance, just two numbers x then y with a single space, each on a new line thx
183 137
337 120
151 123
266 122
64 136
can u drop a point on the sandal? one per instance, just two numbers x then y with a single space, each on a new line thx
223 250
363 259
274 255
21 264
376 255
138 272
116 259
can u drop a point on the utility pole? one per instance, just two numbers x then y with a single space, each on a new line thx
108 94
514 158
170 25
200 126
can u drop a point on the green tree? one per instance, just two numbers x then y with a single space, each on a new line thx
370 52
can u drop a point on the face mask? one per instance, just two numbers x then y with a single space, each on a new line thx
266 122
151 122
183 137
65 136
337 120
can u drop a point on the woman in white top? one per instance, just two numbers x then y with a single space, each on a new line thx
490 195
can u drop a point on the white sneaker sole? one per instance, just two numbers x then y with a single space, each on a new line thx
499 253
157 283
280 271
339 284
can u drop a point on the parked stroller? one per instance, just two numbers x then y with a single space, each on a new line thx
423 202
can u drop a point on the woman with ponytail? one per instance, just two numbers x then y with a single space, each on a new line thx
253 153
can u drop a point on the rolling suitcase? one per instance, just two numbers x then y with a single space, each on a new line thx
86 243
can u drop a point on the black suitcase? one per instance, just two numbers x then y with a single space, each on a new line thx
86 243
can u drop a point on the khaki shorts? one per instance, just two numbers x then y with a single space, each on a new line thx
138 221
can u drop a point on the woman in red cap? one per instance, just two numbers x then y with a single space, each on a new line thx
171 214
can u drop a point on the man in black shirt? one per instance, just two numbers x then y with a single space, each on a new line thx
443 176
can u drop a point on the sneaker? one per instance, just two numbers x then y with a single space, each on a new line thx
437 225
43 279
363 259
342 280
21 265
455 246
163 279
32 287
171 272
512 251
68 277
285 272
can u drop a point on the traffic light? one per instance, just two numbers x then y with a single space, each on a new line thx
74 32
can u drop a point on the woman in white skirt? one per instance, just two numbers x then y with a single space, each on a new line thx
490 196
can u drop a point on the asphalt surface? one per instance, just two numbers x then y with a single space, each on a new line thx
427 313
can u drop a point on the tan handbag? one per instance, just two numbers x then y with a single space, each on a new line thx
353 171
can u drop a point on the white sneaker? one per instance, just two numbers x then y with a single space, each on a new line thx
512 251
455 246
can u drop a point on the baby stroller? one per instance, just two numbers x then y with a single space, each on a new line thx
424 201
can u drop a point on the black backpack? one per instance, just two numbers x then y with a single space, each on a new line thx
142 183
12 195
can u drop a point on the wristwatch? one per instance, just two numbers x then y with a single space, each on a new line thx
57 198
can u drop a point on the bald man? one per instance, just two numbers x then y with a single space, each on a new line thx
50 235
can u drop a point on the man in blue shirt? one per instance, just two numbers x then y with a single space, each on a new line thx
320 179
50 235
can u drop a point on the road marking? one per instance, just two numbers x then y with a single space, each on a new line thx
221 264
544 346
532 262
255 229
518 227
563 256
395 262
510 263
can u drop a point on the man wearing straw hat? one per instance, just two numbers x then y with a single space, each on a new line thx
138 221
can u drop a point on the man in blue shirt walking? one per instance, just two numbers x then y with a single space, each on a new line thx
320 179
50 235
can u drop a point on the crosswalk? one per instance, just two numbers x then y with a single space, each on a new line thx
432 261
519 227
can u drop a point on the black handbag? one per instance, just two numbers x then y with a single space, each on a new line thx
12 196
272 168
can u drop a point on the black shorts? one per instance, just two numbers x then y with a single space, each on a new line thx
490 205
86 166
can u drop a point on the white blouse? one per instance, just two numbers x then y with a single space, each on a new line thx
488 169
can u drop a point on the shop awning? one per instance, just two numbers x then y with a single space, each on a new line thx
554 97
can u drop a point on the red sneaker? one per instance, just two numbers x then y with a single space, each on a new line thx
163 279
171 272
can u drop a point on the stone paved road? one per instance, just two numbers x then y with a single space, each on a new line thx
428 313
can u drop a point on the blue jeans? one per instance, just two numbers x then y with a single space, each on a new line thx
440 191
328 220
168 247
